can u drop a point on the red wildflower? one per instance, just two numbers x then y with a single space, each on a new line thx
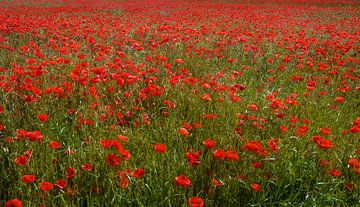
283 128
253 107
54 145
184 131
339 99
206 97
272 144
193 158
324 144
21 160
43 117
301 130
124 181
122 138
355 129
208 116
124 153
112 160
45 186
60 183
325 131
86 167
255 187
106 143
335 173
179 61
256 165
195 201
197 125
182 180
13 203
34 136
216 183
138 173
28 178
28 153
316 138
70 173
219 154
160 148
232 155
209 143
255 147
354 163
348 186
187 125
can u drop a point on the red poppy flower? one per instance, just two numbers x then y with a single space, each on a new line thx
60 183
354 163
283 128
216 183
316 138
256 165
195 201
45 186
325 131
34 136
255 147
301 130
138 173
112 160
355 129
28 153
208 116
28 178
21 160
124 181
324 144
335 173
54 145
180 61
209 143
187 125
255 187
193 158
106 143
253 107
122 138
206 97
160 148
70 173
13 203
339 99
124 153
219 154
43 117
86 167
232 155
272 144
184 131
182 180
348 186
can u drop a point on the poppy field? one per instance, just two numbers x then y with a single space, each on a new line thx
180 103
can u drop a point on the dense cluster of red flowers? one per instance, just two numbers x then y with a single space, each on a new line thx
185 95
